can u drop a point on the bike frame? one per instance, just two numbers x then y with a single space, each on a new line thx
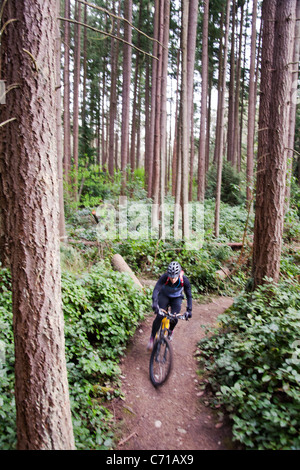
160 375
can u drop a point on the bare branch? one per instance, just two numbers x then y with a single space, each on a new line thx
104 10
11 87
6 122
6 24
106 34
32 58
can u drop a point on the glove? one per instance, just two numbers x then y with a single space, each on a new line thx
188 315
155 308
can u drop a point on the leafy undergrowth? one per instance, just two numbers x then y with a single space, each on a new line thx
102 309
253 366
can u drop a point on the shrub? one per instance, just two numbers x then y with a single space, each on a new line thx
254 366
7 382
231 192
102 310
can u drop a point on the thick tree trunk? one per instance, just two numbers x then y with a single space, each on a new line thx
30 199
120 265
277 49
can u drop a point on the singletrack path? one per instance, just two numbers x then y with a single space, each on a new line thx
173 416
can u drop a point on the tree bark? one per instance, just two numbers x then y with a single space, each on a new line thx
126 92
203 117
67 119
163 124
221 124
62 228
191 48
150 150
157 119
113 99
237 126
251 109
120 265
30 199
276 72
185 116
231 95
76 96
293 108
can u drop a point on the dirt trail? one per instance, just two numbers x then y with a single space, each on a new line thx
171 417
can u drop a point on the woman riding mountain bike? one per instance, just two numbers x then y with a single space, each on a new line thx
168 291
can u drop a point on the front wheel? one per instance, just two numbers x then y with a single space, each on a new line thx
160 362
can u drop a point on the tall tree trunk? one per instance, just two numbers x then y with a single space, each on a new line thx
251 109
203 116
30 198
134 115
147 120
67 119
221 124
293 108
157 157
163 115
185 122
231 98
76 96
113 98
136 97
191 48
157 122
276 72
126 92
175 146
84 124
220 78
62 227
150 149
236 144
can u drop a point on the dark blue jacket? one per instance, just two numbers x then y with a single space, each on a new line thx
166 287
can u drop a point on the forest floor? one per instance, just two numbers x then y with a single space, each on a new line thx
175 415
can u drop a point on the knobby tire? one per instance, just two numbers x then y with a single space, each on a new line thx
160 362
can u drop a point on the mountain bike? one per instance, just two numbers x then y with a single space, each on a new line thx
162 353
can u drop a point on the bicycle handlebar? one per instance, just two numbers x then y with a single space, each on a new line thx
171 316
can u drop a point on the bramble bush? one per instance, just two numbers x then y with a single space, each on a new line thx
102 309
253 362
7 396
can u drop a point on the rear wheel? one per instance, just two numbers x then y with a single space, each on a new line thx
160 362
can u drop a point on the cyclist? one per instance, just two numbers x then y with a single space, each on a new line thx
168 291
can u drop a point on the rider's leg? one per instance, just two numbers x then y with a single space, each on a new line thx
175 304
163 302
